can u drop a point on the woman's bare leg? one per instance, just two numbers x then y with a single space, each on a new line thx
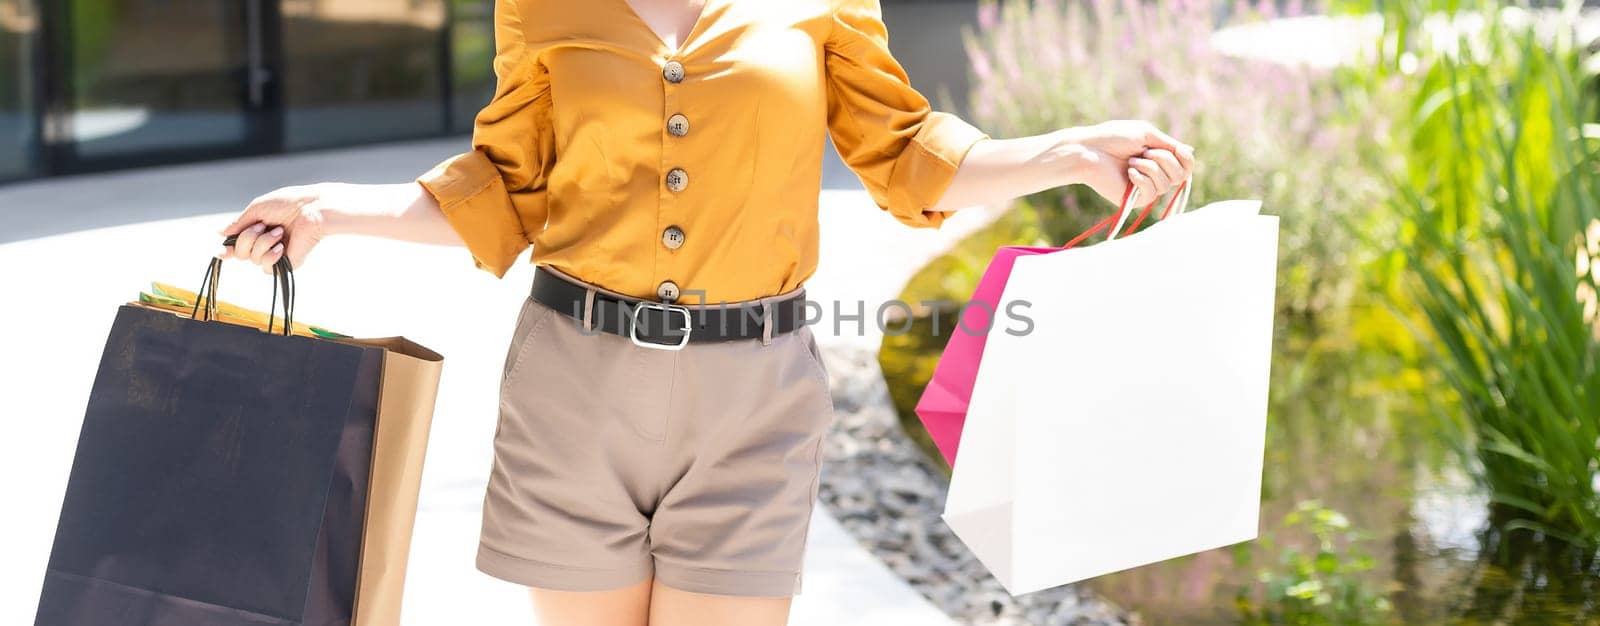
620 607
675 607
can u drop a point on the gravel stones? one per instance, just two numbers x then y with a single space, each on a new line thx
881 489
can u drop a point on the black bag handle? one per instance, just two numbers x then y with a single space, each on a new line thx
282 273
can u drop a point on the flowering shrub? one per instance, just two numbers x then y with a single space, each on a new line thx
1267 130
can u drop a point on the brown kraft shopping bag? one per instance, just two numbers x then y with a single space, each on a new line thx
405 413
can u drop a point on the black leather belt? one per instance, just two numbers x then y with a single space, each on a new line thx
664 325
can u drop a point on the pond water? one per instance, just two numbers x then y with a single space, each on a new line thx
1425 549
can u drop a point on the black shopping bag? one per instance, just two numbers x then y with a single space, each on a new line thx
220 477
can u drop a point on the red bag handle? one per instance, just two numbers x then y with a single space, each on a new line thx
1128 198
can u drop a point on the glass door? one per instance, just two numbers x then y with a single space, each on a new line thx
151 81
19 28
361 71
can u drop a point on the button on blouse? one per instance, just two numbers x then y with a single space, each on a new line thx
585 151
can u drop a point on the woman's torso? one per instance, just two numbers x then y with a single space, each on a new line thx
741 221
689 172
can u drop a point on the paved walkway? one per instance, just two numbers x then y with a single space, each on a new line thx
73 249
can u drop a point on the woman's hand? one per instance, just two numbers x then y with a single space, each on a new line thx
1110 155
293 220
288 221
1104 156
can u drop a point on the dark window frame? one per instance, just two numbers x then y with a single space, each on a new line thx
51 153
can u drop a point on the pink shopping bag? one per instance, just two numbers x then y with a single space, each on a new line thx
943 405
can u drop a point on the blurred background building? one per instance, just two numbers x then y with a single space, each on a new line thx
96 85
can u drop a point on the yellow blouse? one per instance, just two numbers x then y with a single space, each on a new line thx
692 173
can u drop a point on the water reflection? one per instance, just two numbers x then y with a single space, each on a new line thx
151 76
1507 577
362 70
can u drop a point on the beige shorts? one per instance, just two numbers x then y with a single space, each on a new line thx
613 462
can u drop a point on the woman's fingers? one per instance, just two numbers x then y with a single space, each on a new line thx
273 254
1169 163
1186 159
263 244
244 244
271 228
240 224
1154 162
1152 171
1146 187
1157 139
257 244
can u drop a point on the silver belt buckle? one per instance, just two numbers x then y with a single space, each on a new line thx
633 332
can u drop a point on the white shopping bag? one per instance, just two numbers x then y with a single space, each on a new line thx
1128 425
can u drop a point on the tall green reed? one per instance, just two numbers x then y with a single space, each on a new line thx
1499 209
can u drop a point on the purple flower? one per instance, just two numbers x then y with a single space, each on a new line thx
1103 10
1011 66
988 15
980 64
983 108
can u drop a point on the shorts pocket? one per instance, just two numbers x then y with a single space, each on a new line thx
530 320
819 373
814 353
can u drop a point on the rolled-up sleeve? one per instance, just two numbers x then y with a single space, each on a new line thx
494 195
905 153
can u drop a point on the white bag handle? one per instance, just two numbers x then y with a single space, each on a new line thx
1180 200
1183 196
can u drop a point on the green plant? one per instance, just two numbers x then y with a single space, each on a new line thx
1320 584
472 42
1495 261
93 31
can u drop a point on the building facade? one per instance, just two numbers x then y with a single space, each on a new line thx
96 85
